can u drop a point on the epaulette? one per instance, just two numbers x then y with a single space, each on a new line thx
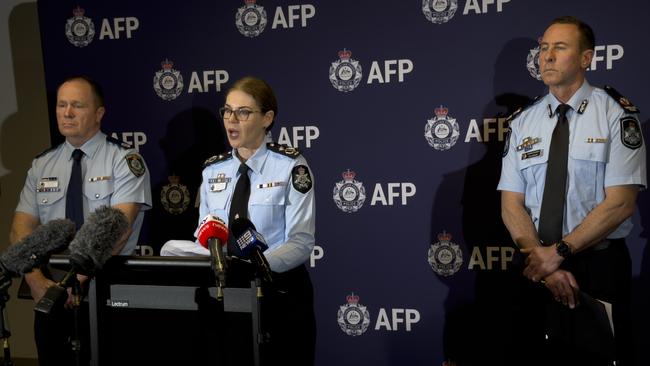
285 150
621 100
47 151
217 158
521 109
115 141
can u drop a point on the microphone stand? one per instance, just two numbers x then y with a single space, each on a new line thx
4 333
75 342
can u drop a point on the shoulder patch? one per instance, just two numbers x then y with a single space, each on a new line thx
301 179
631 136
136 164
506 145
217 158
521 109
621 100
115 141
285 150
47 150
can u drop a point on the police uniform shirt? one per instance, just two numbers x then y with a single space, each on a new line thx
282 210
598 155
112 174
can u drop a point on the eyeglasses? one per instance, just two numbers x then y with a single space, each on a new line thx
240 113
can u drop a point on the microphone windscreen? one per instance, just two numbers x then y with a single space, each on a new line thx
240 225
212 227
94 242
34 249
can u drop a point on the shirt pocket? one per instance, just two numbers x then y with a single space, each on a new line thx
534 172
588 170
266 209
98 194
217 203
48 205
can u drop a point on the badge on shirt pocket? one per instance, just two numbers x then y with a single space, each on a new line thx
219 183
48 184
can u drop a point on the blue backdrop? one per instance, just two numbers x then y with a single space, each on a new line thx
398 107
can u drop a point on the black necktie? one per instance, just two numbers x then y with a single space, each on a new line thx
239 203
74 209
552 212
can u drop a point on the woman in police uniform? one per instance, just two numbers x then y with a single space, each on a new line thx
280 205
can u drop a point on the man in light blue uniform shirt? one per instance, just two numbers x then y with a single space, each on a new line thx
605 169
111 174
283 214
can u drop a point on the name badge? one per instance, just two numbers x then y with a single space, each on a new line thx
48 184
219 183
532 154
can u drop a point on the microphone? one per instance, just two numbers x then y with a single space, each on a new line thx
89 250
251 244
213 233
34 249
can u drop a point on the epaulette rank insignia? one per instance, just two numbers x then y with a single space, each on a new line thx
622 101
289 151
217 158
521 109
115 141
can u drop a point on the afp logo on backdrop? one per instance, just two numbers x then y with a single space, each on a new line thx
441 11
251 19
444 256
168 82
354 318
80 29
602 53
350 194
346 73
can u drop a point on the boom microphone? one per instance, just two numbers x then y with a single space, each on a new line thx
213 233
89 250
34 249
251 244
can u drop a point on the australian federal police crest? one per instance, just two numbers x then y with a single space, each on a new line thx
353 318
349 194
79 29
250 19
532 63
168 83
175 197
442 131
345 73
444 256
439 11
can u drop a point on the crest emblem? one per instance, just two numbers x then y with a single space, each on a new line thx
301 179
250 19
444 256
175 197
532 63
353 318
345 73
79 29
442 131
168 83
439 11
631 133
349 194
136 164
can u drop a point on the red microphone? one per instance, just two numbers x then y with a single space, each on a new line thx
213 234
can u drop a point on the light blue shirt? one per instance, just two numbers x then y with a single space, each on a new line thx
597 157
108 180
281 213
